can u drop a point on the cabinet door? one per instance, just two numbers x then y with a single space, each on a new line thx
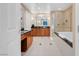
29 41
34 32
45 32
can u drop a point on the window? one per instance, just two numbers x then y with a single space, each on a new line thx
45 23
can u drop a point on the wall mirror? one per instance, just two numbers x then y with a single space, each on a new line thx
42 20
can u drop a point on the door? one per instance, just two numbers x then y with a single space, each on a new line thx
10 29
14 40
3 29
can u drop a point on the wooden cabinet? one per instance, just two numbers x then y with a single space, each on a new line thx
29 41
26 41
40 31
45 32
24 45
34 32
27 38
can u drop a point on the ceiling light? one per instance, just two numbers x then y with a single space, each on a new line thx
32 18
59 8
39 8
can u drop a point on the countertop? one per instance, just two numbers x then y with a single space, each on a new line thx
25 31
41 27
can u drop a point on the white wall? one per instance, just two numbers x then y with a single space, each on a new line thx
26 18
27 21
23 15
76 27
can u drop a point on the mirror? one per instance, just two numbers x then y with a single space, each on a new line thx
42 20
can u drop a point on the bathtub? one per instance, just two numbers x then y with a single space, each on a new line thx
67 35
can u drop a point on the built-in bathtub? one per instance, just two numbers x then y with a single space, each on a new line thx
66 36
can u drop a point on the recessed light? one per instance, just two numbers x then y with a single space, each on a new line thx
39 8
59 8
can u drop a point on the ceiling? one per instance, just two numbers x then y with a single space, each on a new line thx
46 7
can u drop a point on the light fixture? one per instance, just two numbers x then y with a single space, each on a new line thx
32 18
59 9
39 8
48 17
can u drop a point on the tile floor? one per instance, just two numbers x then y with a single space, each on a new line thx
43 46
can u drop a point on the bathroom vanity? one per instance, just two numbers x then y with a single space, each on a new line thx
40 31
27 36
26 41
